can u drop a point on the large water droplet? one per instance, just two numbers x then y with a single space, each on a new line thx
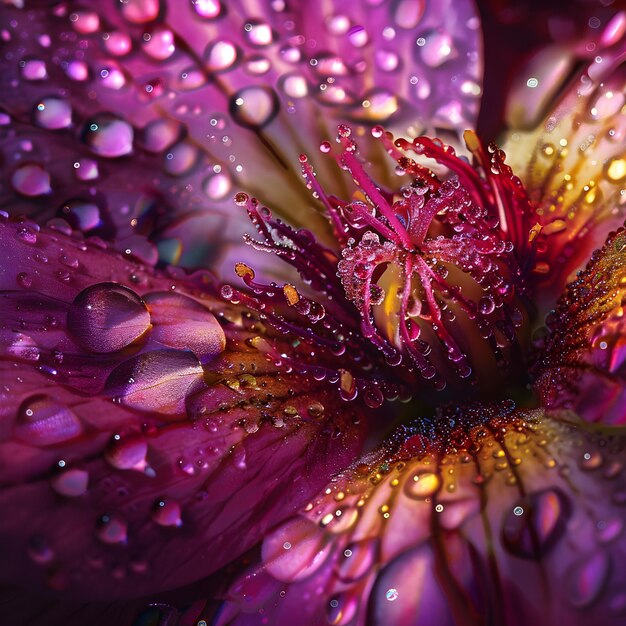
127 452
532 527
33 69
208 9
585 581
217 186
53 113
258 33
71 482
41 421
109 136
112 528
31 179
156 381
160 134
221 56
254 107
357 560
107 317
159 43
294 85
140 11
184 324
166 512
422 484
408 13
82 215
180 159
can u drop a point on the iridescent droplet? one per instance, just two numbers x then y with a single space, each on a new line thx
109 136
166 512
127 452
107 317
422 484
156 381
42 421
254 107
31 179
585 580
533 527
71 482
112 529
53 113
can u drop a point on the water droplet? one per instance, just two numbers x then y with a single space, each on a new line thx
140 11
408 13
127 452
258 33
180 159
166 512
156 381
422 484
254 106
53 113
357 560
107 317
117 43
161 134
616 170
585 580
33 69
70 482
109 136
31 179
84 216
437 49
532 528
221 56
41 421
217 186
182 323
341 609
208 9
112 529
294 85
159 43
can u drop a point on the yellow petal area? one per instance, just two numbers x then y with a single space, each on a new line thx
517 522
573 163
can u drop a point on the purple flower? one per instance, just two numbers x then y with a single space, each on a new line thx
285 340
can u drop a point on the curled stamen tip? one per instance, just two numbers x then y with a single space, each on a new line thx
244 271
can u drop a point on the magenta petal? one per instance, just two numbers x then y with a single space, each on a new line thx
143 442
514 521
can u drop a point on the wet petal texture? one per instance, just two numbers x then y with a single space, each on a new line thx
141 118
572 162
583 363
517 520
144 440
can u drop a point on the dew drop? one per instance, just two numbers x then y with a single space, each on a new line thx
42 421
156 381
33 69
254 107
109 136
107 317
422 484
140 11
31 179
217 186
208 9
112 529
294 85
258 33
408 13
52 113
127 452
71 482
166 512
180 159
585 580
160 43
221 56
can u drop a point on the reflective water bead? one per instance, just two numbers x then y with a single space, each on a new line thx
42 421
53 113
107 317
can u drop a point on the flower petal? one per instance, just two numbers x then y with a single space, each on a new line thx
141 119
572 162
144 441
516 522
583 363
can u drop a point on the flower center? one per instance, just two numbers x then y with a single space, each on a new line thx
427 279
